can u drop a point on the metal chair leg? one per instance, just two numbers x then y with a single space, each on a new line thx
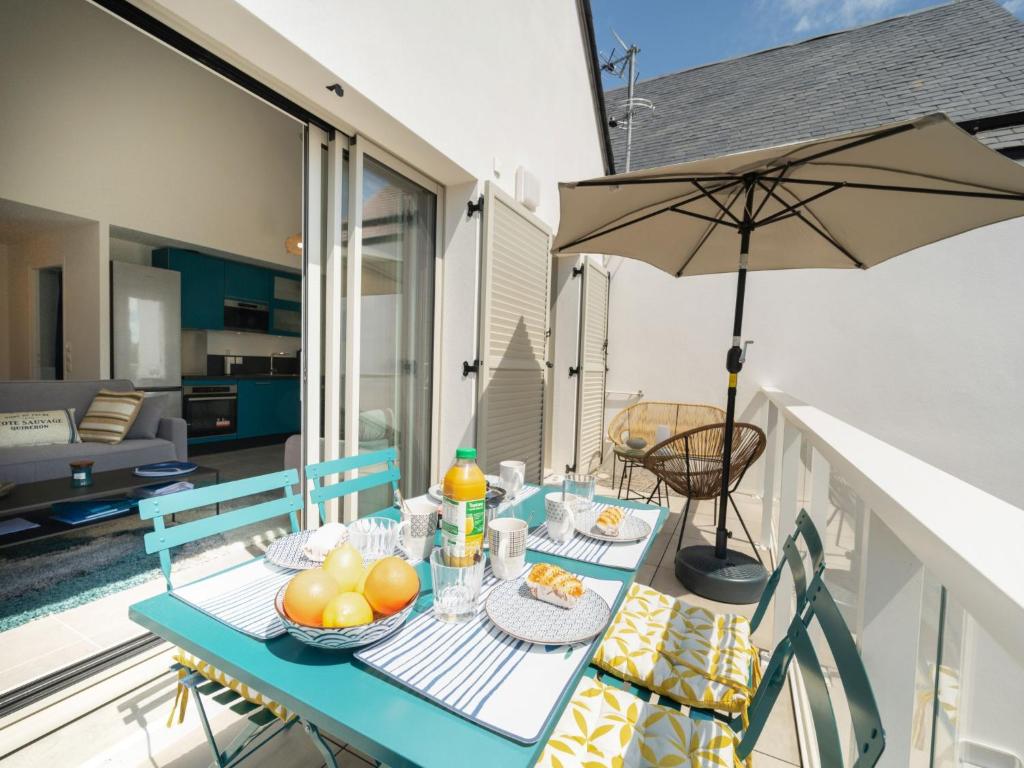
318 741
622 479
682 528
746 530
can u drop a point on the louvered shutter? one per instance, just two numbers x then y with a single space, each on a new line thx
515 296
593 365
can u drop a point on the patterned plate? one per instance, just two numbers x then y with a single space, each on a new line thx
630 529
515 611
287 552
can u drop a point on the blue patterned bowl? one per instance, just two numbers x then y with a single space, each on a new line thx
340 638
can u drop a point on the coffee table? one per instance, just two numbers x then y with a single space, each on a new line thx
33 501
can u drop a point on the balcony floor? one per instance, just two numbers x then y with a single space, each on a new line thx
98 724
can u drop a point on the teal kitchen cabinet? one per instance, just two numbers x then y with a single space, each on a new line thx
268 407
246 282
202 286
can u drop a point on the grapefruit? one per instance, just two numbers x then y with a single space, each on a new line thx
390 585
349 609
307 594
345 564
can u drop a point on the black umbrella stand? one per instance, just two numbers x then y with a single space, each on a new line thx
717 572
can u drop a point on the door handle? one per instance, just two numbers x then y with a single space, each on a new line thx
468 368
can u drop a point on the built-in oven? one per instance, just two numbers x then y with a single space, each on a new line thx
210 409
246 316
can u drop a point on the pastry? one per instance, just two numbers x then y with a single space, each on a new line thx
554 585
609 520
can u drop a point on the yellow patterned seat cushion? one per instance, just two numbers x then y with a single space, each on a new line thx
603 726
211 672
689 654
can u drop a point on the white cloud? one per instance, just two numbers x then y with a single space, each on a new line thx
814 15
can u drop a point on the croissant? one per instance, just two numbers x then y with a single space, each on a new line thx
609 520
554 585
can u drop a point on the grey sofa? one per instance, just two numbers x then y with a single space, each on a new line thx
47 462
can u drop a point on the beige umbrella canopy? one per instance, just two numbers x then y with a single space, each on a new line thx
848 201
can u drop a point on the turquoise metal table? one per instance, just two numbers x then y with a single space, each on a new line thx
340 695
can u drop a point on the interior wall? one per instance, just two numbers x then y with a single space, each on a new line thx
133 253
920 351
113 126
81 252
5 316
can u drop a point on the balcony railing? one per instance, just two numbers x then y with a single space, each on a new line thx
929 571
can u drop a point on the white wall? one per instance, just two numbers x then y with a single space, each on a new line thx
921 351
447 86
104 123
81 252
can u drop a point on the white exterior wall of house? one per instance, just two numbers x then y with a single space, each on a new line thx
921 351
450 89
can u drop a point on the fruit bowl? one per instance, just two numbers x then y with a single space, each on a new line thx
340 638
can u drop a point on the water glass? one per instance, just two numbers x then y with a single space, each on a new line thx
375 537
582 487
456 589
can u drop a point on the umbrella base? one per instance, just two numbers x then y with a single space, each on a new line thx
738 579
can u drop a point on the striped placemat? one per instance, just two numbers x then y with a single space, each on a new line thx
477 671
242 597
627 555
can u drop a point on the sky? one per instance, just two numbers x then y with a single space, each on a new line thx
679 34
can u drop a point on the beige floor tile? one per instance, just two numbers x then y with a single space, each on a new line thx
645 573
19 674
762 760
33 640
778 739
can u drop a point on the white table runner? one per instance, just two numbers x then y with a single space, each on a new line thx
242 597
477 671
615 555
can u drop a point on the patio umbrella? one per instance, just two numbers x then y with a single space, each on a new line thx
844 202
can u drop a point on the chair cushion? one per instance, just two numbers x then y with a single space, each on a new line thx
603 726
211 672
110 416
689 654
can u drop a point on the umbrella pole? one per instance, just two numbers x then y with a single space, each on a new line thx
716 572
733 364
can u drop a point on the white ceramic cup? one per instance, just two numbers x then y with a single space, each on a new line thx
560 515
507 537
513 475
419 523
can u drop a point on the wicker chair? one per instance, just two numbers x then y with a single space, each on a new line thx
641 420
691 464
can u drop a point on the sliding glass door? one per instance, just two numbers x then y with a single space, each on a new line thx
397 327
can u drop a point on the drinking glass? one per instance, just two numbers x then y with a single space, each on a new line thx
456 589
582 487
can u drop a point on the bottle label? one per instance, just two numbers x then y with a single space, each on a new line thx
462 523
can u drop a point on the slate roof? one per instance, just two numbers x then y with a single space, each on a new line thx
965 58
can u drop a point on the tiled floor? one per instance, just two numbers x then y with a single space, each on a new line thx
52 642
131 730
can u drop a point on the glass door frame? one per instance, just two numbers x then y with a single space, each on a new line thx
328 258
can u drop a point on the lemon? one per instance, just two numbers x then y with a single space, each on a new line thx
349 609
345 565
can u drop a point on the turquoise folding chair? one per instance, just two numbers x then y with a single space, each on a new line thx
320 493
867 723
162 539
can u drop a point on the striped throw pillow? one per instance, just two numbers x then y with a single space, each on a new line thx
110 416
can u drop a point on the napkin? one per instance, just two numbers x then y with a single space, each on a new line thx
326 538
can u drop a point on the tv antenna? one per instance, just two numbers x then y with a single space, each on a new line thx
624 66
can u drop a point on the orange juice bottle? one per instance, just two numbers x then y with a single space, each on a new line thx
465 509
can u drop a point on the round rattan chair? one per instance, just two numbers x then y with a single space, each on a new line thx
691 465
641 420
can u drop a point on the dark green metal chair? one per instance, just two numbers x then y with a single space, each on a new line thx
821 609
805 530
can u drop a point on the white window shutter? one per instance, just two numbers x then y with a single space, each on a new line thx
515 300
593 356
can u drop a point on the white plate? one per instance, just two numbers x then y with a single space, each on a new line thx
631 528
515 611
287 552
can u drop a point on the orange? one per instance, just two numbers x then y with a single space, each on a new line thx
307 594
390 585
